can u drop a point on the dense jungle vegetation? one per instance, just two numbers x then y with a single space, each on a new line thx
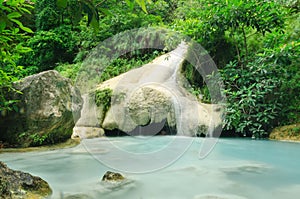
254 43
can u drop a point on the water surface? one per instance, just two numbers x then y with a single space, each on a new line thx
236 168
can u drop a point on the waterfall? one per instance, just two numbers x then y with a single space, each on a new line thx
88 124
160 77
88 113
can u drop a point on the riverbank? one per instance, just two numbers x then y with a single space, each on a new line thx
289 133
68 144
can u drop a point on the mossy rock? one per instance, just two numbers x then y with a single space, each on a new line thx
288 133
46 113
17 184
110 176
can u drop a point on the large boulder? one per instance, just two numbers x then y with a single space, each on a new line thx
17 184
47 110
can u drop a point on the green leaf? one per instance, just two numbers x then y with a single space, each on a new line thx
14 15
94 23
26 29
25 10
105 11
142 4
21 26
62 3
130 4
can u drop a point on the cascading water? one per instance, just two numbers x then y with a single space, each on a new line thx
88 113
161 76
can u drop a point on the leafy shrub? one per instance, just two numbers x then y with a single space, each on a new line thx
122 65
12 31
69 70
253 98
47 14
51 47
284 57
223 27
103 98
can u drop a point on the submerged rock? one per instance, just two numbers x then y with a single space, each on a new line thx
17 184
77 196
215 196
110 176
112 181
47 106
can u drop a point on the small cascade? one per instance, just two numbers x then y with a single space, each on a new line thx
88 113
88 124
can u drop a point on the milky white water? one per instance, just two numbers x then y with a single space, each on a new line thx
235 169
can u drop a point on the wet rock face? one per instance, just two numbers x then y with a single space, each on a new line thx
153 94
17 184
143 98
44 112
112 177
87 132
146 107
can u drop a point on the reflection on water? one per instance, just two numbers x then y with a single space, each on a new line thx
236 169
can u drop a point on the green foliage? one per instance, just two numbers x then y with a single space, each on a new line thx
296 130
27 139
37 140
196 84
285 58
265 93
12 31
256 59
103 98
65 38
47 14
68 70
58 45
226 24
52 13
122 65
78 9
253 98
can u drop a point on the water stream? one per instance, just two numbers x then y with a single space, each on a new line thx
235 169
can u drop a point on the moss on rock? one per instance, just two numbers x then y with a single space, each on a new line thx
288 133
47 111
17 184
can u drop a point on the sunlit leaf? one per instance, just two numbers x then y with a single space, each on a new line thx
14 15
26 29
142 4
130 4
25 10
